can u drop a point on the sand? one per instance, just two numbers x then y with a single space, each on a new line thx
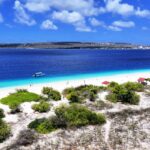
60 86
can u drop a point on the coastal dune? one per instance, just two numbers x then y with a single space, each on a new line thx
120 119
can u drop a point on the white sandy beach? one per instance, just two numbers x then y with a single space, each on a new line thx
36 88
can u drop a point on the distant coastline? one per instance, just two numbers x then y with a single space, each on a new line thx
74 45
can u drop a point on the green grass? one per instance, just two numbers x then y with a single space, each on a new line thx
15 99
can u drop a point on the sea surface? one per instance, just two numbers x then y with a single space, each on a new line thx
18 65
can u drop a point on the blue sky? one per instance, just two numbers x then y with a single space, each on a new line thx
75 20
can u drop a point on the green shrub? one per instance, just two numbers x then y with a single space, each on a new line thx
112 85
2 115
15 99
92 96
4 131
124 93
51 93
68 91
77 115
112 97
41 107
83 92
67 116
73 97
134 86
14 108
42 126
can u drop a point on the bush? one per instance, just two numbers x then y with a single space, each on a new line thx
2 115
82 92
4 131
42 126
124 93
73 97
41 107
15 99
14 108
67 116
92 96
51 93
112 85
112 97
134 86
68 91
77 115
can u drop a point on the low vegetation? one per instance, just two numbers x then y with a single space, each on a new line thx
51 93
20 96
79 94
134 86
4 128
74 115
41 107
77 115
2 115
125 93
4 131
42 125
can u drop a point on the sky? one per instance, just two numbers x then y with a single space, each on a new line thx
75 20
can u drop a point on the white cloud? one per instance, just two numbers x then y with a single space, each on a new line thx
73 18
47 24
82 27
143 13
125 9
95 22
21 15
85 7
1 18
119 25
114 28
115 6
67 17
123 24
79 12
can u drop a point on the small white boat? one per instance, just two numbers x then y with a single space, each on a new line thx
38 74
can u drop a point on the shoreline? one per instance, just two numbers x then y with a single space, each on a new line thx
43 80
61 85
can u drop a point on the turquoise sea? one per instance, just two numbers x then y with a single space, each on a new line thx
18 65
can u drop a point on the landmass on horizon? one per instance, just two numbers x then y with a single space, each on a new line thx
75 45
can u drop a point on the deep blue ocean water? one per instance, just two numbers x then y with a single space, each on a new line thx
18 65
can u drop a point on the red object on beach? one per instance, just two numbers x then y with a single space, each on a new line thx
141 79
105 82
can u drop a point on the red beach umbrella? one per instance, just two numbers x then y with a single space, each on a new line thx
105 82
141 79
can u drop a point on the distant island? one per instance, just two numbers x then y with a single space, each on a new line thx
75 45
